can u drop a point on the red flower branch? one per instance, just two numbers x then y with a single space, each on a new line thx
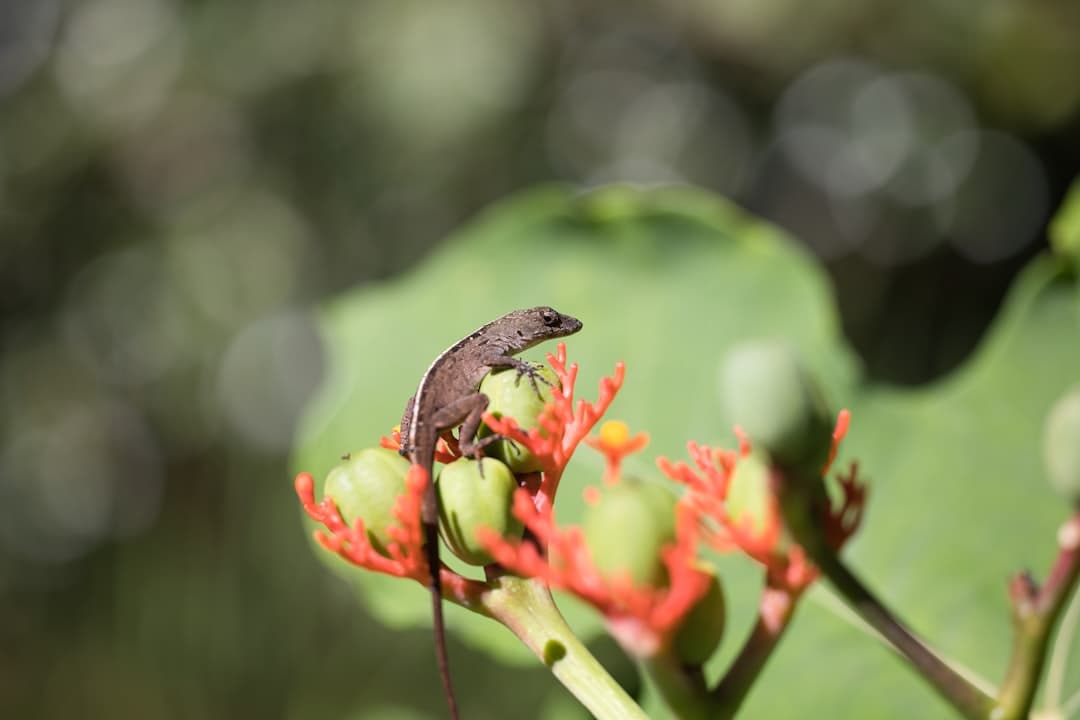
446 449
615 443
761 536
642 618
406 554
562 424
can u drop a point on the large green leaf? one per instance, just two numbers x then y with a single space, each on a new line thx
668 280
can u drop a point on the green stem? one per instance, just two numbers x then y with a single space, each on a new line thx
731 691
804 504
526 607
967 699
683 688
1035 611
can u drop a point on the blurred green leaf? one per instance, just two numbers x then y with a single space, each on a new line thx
668 280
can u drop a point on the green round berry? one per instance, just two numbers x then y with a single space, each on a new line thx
627 528
749 494
366 486
511 395
772 396
470 500
700 632
1061 445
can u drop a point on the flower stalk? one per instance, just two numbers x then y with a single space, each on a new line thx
1035 612
525 606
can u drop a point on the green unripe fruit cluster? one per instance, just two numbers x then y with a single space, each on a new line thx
628 527
771 395
511 395
703 627
470 500
1061 446
366 486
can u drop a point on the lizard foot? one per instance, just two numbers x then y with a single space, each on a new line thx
533 371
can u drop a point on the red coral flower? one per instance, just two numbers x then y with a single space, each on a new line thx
642 618
615 442
562 424
406 548
761 537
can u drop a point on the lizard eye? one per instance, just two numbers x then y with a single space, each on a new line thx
549 319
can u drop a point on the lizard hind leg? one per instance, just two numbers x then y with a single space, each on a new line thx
472 446
469 412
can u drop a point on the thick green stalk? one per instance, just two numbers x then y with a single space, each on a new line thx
526 607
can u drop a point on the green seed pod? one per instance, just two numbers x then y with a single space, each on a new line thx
469 501
1061 446
513 396
628 526
749 494
366 486
701 630
772 396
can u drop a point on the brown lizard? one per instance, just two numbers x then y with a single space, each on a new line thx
448 396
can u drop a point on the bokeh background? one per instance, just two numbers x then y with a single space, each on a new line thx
180 182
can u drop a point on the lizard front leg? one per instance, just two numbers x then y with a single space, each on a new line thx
521 368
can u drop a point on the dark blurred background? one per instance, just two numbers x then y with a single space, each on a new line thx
181 181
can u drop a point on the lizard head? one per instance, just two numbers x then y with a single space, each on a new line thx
543 323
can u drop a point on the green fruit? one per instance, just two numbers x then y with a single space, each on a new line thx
627 528
1061 446
701 630
469 500
772 396
512 396
366 486
749 494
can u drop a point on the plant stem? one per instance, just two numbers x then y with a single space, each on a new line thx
683 688
804 505
526 607
774 616
1034 612
967 699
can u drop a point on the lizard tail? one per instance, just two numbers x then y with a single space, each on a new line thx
442 658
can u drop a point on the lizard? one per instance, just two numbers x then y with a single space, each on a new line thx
448 396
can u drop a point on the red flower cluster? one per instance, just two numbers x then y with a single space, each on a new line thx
643 618
406 548
761 536
562 424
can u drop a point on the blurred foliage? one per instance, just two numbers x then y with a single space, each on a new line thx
181 180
